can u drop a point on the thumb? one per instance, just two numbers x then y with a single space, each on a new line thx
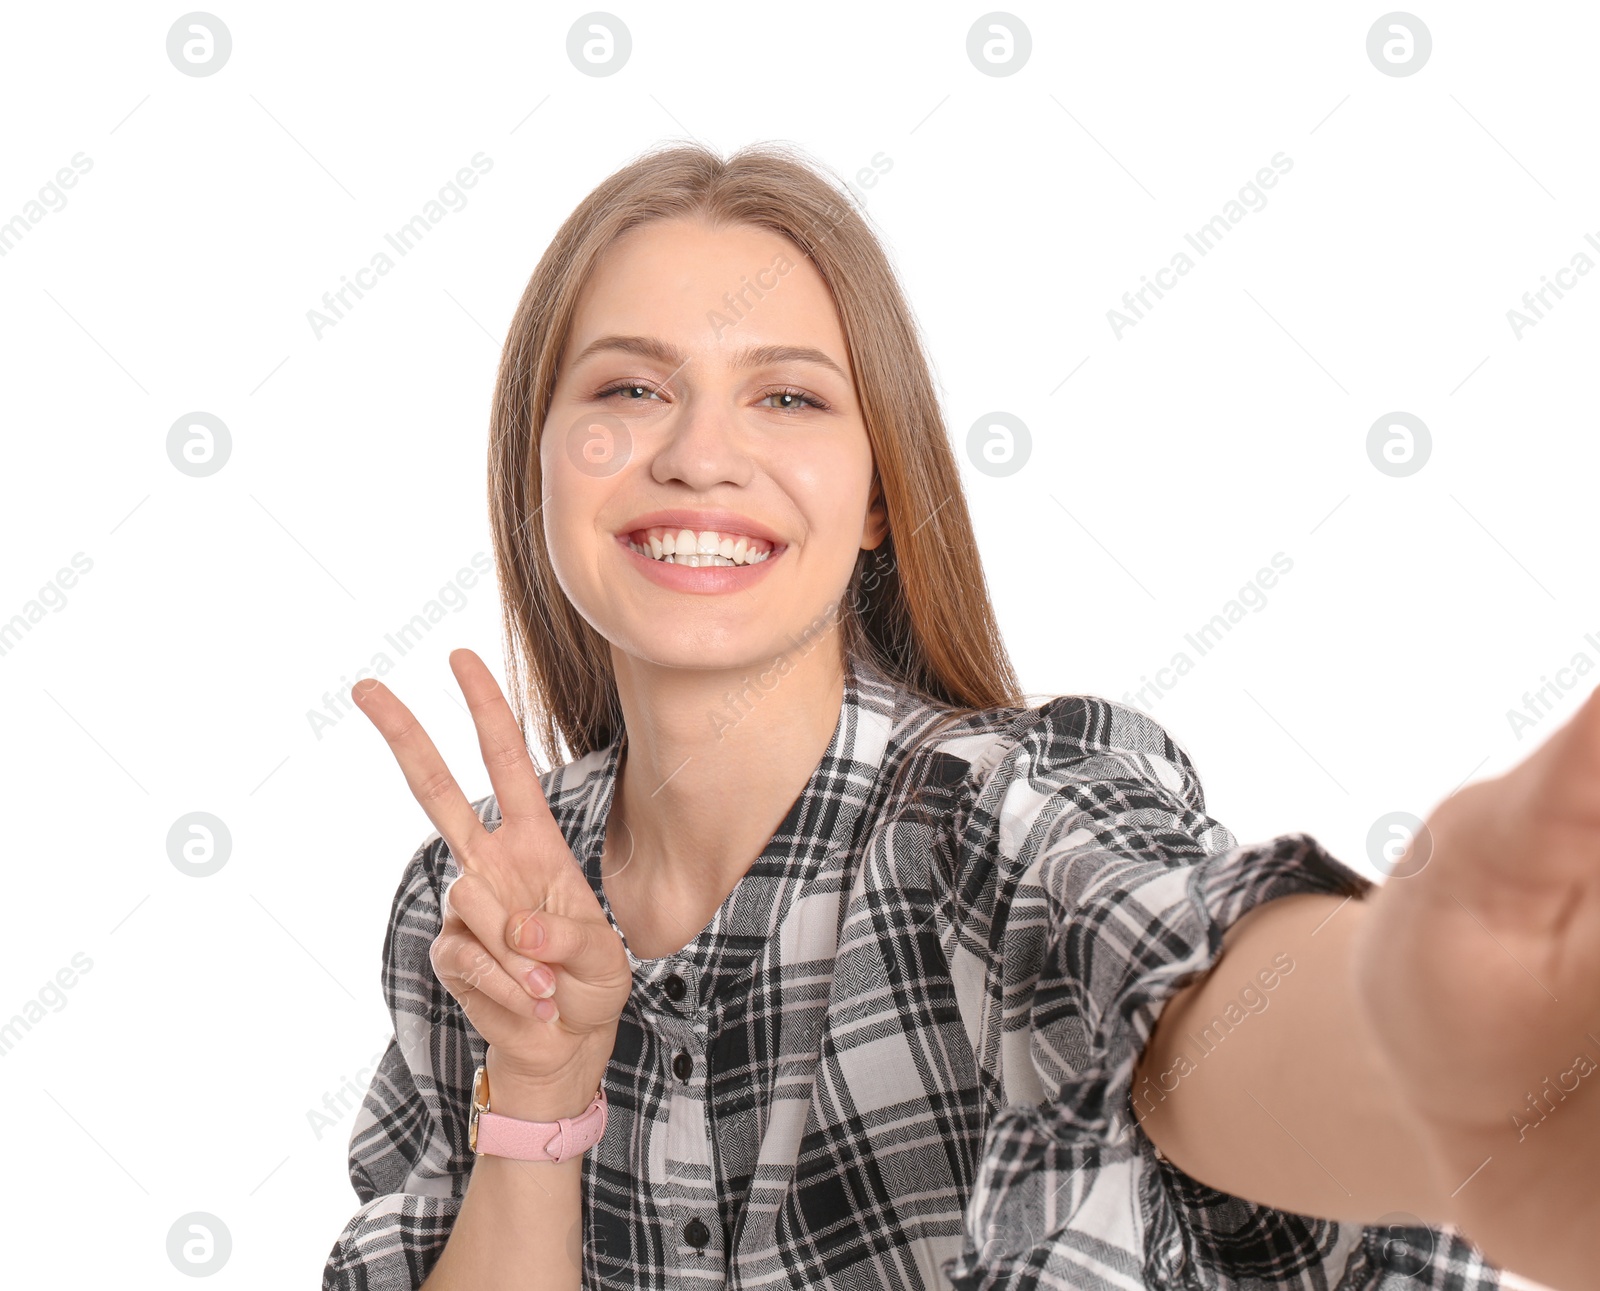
589 949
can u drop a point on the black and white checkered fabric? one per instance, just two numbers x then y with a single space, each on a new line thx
910 1033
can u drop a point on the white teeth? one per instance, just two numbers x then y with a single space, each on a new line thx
700 550
697 560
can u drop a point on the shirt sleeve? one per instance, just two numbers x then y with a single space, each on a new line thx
1113 889
408 1155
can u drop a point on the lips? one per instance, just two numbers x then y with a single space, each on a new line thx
727 523
701 550
709 573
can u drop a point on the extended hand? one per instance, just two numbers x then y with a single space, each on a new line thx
1479 971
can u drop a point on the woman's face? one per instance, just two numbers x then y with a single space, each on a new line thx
705 408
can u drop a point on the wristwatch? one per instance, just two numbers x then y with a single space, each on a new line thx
506 1136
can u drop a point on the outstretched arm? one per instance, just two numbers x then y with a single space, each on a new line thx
1263 1080
1435 1048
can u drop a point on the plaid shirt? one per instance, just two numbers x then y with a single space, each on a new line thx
900 1055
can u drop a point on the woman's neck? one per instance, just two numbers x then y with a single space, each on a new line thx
713 761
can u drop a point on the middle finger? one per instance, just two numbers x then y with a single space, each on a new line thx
431 782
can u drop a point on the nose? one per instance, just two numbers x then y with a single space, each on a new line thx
704 446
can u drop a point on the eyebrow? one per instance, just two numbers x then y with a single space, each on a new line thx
755 356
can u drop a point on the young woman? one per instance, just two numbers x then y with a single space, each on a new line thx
824 960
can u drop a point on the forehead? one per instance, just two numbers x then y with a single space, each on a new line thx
710 289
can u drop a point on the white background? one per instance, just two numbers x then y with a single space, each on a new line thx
1168 465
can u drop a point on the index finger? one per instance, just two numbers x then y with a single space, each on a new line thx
516 780
431 782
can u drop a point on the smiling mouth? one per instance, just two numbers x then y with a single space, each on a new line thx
675 546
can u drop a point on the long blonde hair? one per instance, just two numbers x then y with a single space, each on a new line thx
917 607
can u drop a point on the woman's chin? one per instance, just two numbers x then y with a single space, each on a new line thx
763 659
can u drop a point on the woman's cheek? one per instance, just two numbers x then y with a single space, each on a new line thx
574 567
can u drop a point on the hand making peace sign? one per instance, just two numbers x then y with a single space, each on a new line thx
521 875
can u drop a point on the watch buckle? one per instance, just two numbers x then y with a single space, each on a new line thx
480 1104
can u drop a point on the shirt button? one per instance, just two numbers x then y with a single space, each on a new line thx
682 1065
696 1234
675 988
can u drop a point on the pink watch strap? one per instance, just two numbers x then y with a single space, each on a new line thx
559 1140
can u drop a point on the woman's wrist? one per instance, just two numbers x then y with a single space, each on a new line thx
537 1098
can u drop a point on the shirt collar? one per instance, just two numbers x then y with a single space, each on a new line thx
819 830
